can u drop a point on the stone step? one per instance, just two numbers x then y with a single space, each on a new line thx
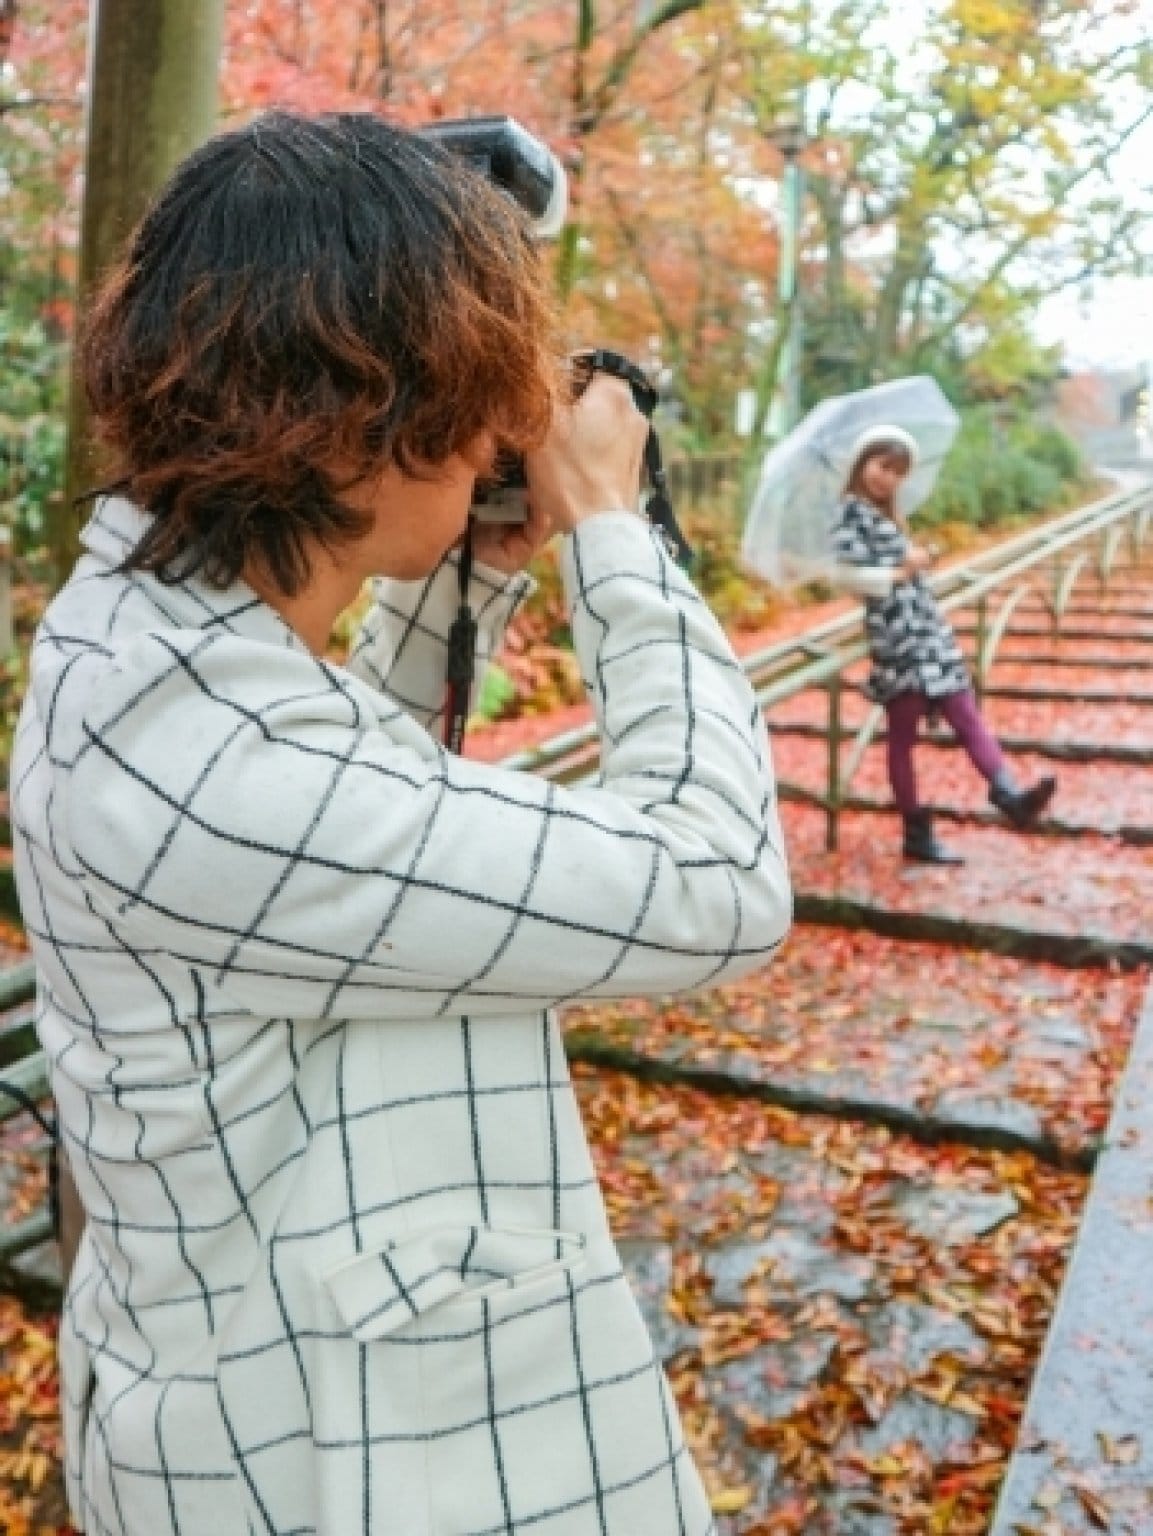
1055 751
1100 798
1103 626
840 1310
1113 732
1007 897
1039 660
844 1024
1088 949
1127 834
1084 1460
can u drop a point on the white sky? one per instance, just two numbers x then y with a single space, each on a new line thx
1113 324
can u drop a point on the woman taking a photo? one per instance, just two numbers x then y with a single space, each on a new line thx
346 1266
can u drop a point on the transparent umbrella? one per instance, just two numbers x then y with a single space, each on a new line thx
786 537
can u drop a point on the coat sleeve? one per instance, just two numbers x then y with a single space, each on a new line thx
402 646
864 580
279 826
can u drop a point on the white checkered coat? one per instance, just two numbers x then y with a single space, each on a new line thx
347 1268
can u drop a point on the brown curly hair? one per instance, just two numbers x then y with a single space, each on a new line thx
308 299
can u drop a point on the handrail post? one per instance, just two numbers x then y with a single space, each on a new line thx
833 798
981 639
1109 542
1140 528
1057 609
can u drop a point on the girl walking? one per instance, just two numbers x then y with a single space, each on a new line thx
918 668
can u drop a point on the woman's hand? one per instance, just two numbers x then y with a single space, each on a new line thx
589 463
508 547
591 460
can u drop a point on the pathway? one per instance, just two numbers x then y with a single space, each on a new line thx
847 1187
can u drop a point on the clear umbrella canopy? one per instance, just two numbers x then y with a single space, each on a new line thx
802 480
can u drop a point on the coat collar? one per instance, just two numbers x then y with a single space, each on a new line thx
113 532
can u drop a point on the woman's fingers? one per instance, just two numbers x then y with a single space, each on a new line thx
591 460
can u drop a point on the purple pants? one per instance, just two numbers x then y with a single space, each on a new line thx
905 713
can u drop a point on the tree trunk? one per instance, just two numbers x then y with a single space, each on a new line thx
908 260
152 98
830 199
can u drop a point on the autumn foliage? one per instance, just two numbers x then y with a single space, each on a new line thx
668 116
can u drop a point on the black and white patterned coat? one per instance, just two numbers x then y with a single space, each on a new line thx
912 645
347 1268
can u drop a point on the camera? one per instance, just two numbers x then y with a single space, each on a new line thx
513 159
521 165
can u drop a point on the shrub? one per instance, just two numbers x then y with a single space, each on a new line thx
1001 469
32 430
738 598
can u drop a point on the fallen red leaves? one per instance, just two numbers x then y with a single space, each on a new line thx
1088 886
917 1026
31 1499
688 1168
1126 725
1096 796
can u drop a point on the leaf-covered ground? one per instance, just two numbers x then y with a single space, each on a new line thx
849 1319
1089 887
31 1495
1035 721
980 1040
1091 797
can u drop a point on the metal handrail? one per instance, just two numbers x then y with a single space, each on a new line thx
954 587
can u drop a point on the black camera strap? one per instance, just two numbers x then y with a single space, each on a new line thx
658 506
461 667
460 671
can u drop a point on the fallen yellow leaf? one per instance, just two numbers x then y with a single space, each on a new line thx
730 1501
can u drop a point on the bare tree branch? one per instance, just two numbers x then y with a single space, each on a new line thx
1018 246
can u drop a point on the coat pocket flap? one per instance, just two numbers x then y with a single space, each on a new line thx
378 1292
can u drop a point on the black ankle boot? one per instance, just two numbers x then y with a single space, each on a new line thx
1023 806
921 841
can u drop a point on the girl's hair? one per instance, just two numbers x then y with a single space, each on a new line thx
307 301
882 448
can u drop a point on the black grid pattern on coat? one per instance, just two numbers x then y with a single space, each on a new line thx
344 1236
912 645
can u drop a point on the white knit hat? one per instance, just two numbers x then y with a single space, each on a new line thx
886 434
